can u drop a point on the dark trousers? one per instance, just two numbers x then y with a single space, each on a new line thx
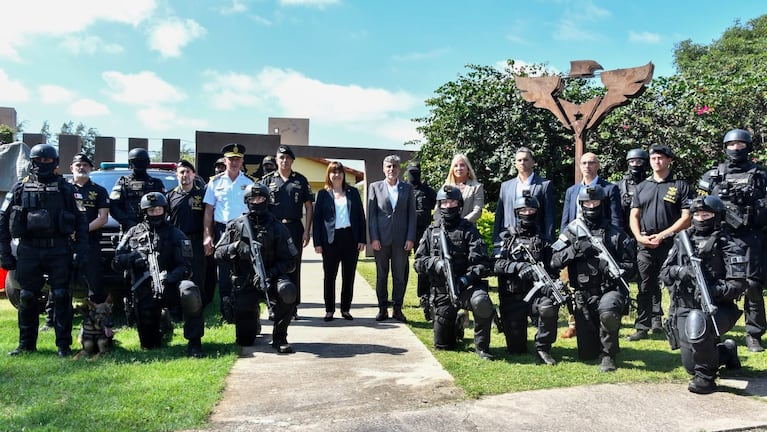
514 312
342 252
753 305
593 336
649 262
703 357
199 267
296 229
423 285
224 270
33 264
95 272
396 257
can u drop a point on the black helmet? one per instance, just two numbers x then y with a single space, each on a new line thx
740 155
44 151
529 221
253 190
638 153
450 192
526 201
138 159
153 199
44 169
710 203
590 193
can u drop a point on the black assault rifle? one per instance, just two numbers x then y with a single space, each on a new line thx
146 249
613 269
706 304
558 289
447 261
259 271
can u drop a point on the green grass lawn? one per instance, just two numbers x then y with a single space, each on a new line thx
648 360
129 390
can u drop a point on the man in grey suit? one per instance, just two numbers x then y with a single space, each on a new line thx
391 225
539 187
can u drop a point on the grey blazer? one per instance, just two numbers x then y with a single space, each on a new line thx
473 202
391 226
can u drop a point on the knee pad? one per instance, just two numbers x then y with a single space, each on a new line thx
27 299
695 326
610 320
191 300
444 328
60 296
481 305
287 291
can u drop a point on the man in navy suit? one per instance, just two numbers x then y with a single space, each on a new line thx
540 188
392 229
589 167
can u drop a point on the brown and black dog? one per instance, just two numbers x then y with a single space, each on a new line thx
96 335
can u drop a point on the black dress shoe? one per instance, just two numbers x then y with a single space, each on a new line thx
382 315
399 316
347 316
21 350
64 352
282 347
328 316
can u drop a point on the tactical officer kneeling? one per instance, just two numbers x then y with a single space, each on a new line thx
158 257
723 265
468 259
246 239
43 211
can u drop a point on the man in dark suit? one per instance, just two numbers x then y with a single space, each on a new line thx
589 167
540 188
392 229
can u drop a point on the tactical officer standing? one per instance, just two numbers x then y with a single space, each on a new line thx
723 266
278 257
127 192
638 161
469 262
599 296
425 201
659 209
742 186
292 198
520 249
268 165
158 257
44 211
187 212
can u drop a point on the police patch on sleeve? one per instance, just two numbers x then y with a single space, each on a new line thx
116 192
186 249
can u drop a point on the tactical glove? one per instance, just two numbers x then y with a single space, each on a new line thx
583 247
528 273
682 273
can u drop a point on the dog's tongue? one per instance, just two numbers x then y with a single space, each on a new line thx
108 331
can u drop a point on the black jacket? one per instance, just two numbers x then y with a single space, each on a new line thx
323 225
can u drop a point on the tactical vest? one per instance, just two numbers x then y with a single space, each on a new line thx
740 192
41 211
712 262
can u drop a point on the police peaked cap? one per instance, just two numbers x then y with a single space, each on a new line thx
233 150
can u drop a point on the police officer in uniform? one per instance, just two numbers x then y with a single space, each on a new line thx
516 278
187 212
127 192
724 266
742 186
292 198
599 300
279 259
425 201
659 209
156 237
470 265
44 211
223 203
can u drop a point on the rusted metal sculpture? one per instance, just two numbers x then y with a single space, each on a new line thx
621 85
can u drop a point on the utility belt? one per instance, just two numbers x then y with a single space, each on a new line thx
50 242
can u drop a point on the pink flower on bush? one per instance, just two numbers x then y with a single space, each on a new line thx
702 110
626 127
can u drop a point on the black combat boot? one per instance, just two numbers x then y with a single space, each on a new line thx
701 385
607 364
544 357
637 335
754 344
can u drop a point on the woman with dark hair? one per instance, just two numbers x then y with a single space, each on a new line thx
339 236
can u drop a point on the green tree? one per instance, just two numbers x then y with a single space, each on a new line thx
6 134
87 135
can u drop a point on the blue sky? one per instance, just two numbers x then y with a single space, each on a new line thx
358 69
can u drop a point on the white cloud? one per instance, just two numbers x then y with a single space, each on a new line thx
236 7
90 45
144 88
12 91
169 36
231 90
644 37
57 18
400 130
578 20
310 3
163 119
53 94
87 108
260 20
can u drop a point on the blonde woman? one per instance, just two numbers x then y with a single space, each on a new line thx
462 175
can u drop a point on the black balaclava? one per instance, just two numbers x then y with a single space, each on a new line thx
45 171
705 227
737 156
451 215
413 176
528 223
156 221
592 216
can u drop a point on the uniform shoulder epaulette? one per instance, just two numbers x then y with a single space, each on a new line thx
253 179
217 176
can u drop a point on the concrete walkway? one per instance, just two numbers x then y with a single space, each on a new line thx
362 375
